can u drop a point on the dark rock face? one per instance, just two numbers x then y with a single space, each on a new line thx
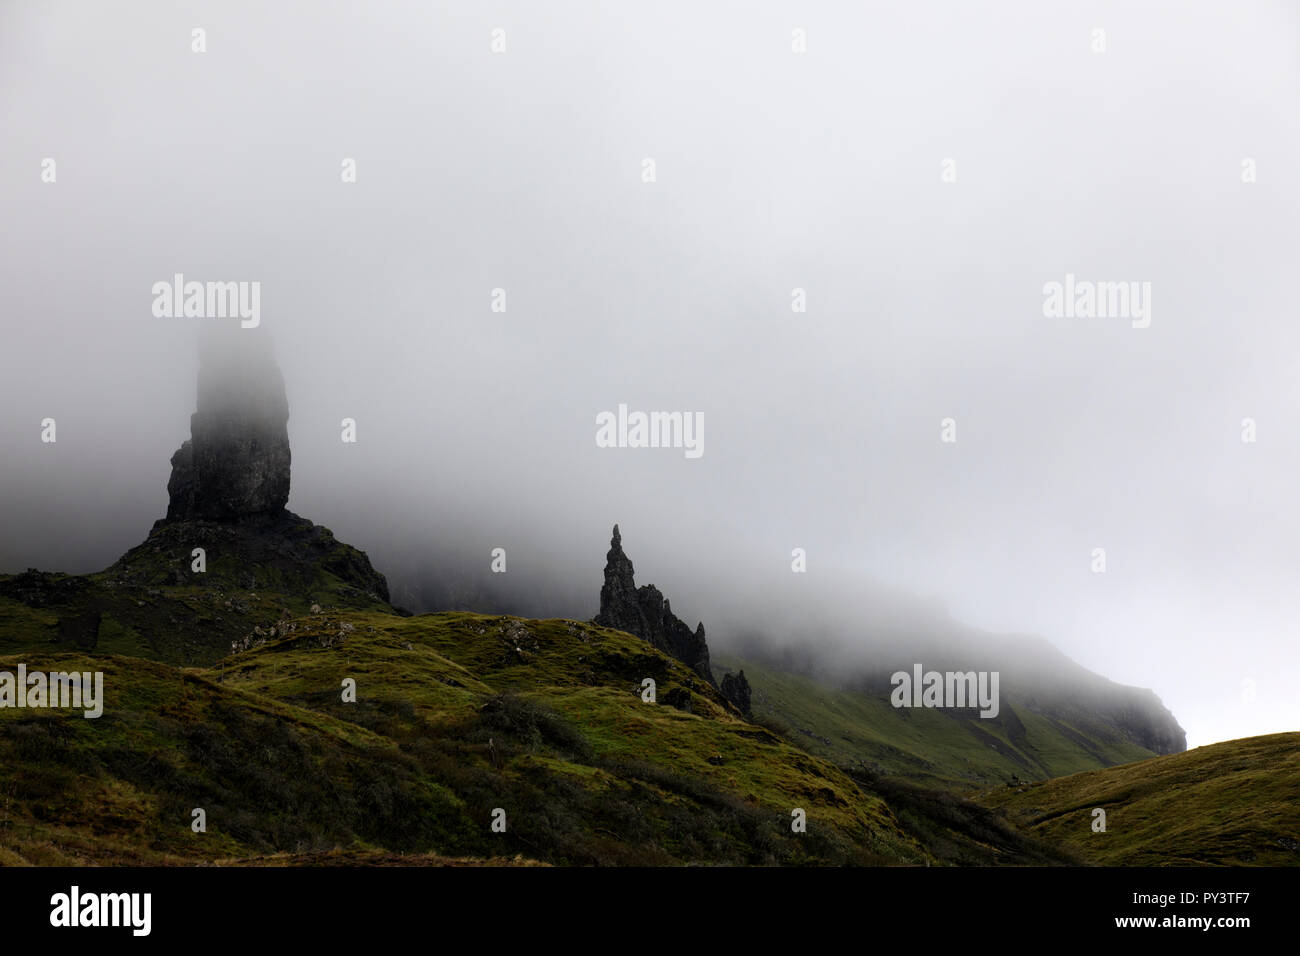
229 486
282 552
644 612
618 601
228 489
1150 724
236 461
736 689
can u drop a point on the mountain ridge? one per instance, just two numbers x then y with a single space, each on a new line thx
232 637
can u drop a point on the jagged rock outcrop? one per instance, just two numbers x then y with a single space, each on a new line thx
619 607
736 689
236 462
644 612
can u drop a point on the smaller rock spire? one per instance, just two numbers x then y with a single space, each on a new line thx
736 689
644 612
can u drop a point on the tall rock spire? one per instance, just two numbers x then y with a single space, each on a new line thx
236 461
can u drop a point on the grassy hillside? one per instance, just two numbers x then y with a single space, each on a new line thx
456 715
1236 802
937 747
224 692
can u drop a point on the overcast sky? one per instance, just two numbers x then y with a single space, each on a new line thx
774 170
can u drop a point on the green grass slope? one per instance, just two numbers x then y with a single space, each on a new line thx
558 703
586 772
1231 803
935 747
456 715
